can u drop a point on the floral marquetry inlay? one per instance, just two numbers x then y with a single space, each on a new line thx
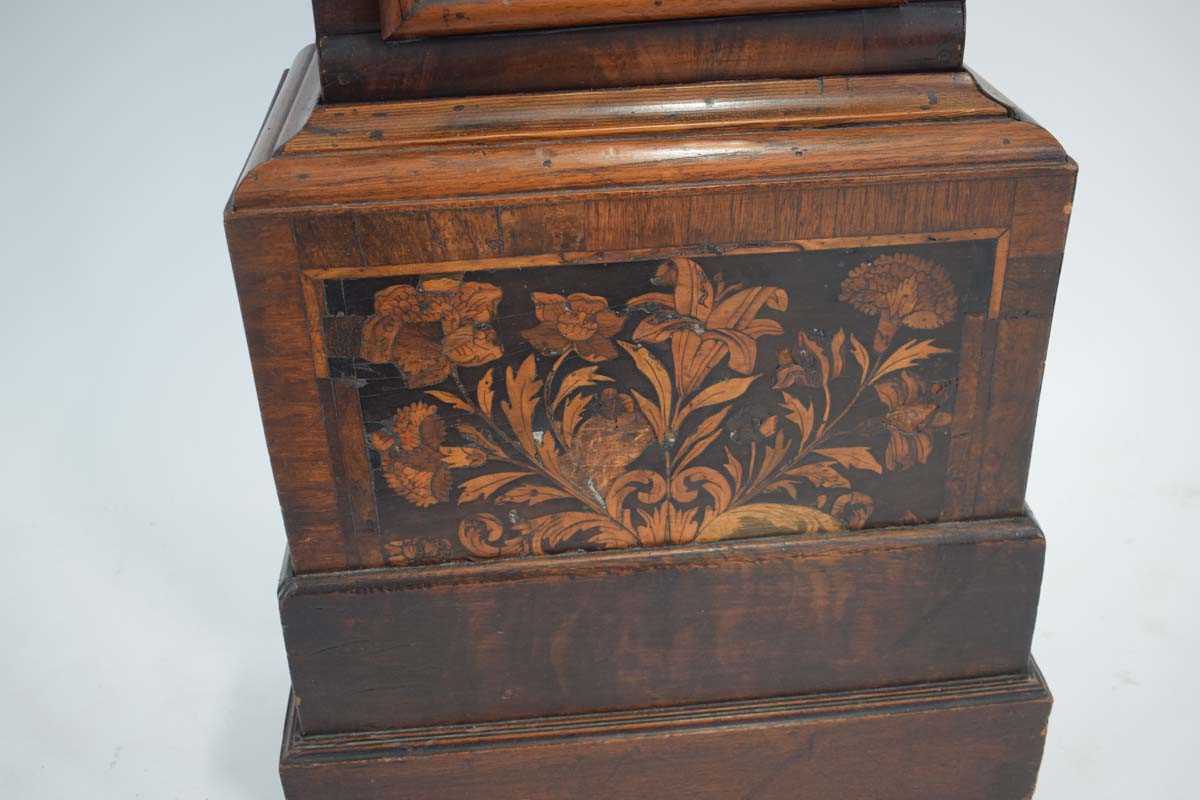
662 402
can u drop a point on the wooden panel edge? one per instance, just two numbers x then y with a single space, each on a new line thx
1019 688
406 19
796 546
808 102
629 163
918 36
295 91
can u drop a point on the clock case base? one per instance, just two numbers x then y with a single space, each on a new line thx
980 739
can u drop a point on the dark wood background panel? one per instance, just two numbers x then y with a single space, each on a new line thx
403 19
804 271
521 638
980 739
915 37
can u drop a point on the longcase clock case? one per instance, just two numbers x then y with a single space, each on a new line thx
645 420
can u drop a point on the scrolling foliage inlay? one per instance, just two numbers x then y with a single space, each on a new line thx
683 400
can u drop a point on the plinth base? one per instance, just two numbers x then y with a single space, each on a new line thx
979 739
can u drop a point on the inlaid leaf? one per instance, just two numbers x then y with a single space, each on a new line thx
720 392
462 457
909 354
774 454
652 413
550 533
653 369
522 387
769 426
480 439
451 399
700 439
765 519
800 413
734 468
837 352
485 486
687 485
532 495
784 486
486 392
853 458
573 415
822 475
861 355
579 379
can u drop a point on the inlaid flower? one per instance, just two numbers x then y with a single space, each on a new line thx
418 551
415 461
579 323
707 320
913 414
428 329
606 443
800 365
902 290
854 509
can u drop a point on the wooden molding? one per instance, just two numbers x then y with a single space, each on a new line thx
809 103
980 739
407 19
915 37
611 165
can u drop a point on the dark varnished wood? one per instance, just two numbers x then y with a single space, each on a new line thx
571 634
980 739
403 19
334 17
916 37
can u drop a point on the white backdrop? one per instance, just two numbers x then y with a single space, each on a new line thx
140 652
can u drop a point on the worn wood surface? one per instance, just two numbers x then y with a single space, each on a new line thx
568 166
402 19
811 103
927 36
980 739
511 639
376 197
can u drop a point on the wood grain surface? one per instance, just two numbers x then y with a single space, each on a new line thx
980 739
402 19
927 36
581 633
737 106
